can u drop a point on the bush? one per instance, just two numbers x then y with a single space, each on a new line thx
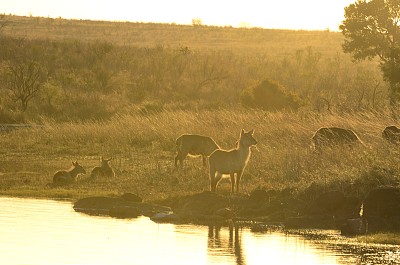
270 95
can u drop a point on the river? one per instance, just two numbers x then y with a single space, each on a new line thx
36 231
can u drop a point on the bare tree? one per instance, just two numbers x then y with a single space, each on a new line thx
210 73
24 81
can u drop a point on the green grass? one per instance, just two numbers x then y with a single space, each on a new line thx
143 148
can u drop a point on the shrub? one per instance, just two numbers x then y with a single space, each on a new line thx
270 95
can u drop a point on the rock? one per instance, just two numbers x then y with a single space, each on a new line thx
381 209
259 196
353 227
205 203
203 219
168 217
130 197
226 213
103 205
124 212
383 202
327 202
310 221
96 205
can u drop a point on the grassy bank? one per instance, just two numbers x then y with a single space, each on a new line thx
143 149
380 238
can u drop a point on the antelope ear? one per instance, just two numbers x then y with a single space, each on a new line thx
251 131
242 132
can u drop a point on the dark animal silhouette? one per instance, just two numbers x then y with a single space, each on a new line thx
104 170
391 134
69 175
333 136
194 145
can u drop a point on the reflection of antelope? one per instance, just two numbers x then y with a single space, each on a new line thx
219 242
104 170
334 136
224 162
69 175
195 145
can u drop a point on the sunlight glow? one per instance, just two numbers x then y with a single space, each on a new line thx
51 232
285 14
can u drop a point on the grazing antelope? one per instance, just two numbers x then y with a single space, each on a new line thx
104 170
334 136
391 134
224 162
69 175
194 145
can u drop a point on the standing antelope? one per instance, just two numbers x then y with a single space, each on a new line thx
194 145
223 162
104 170
334 136
69 175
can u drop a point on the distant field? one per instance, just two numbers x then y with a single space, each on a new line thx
95 69
269 41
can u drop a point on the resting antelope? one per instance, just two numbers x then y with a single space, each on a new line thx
391 134
223 162
104 170
332 136
194 145
69 175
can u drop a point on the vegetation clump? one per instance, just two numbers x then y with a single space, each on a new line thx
271 96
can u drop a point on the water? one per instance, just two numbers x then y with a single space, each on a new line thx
50 232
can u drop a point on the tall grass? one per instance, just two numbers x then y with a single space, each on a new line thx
143 147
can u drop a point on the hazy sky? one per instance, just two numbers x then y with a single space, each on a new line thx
290 14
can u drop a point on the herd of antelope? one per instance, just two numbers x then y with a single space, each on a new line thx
69 175
228 163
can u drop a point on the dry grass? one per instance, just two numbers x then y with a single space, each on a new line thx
143 147
150 34
380 238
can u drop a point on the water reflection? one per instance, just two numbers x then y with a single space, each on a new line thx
237 245
226 246
50 232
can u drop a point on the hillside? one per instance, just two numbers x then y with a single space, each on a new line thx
97 69
151 34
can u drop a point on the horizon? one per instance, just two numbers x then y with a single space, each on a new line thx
305 15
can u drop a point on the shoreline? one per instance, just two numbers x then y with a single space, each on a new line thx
370 242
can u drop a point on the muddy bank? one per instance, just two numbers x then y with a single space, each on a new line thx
126 206
269 208
262 209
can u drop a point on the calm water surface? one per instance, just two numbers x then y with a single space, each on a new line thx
50 232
